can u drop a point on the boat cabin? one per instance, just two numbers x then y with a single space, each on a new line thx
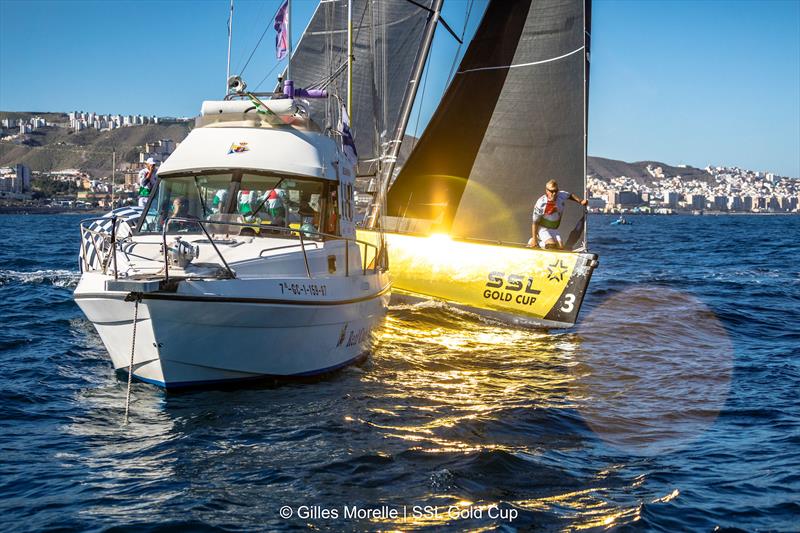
254 174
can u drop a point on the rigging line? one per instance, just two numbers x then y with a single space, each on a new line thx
460 43
449 76
441 19
266 29
422 99
344 31
254 50
268 74
523 64
450 30
250 29
360 23
323 83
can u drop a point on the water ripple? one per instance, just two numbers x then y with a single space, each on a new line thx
671 407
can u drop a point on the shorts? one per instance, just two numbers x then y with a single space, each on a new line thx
546 234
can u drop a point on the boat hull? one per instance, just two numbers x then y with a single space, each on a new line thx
190 340
524 286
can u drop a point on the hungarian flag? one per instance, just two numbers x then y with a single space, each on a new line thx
348 144
282 27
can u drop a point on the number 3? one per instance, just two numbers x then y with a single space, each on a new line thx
569 303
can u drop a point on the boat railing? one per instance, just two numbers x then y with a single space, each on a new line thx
107 240
109 246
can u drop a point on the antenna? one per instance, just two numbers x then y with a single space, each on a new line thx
230 36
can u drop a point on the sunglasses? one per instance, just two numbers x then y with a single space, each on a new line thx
552 190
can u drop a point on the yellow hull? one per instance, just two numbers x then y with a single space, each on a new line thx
532 286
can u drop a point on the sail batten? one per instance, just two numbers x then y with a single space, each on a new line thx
533 63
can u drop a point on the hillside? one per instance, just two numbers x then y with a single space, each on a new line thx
606 169
56 148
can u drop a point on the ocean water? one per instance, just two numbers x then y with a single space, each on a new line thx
674 405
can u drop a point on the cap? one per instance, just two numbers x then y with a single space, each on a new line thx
151 161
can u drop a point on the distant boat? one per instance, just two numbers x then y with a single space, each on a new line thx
621 221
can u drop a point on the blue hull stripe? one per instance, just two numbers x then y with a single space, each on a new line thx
260 377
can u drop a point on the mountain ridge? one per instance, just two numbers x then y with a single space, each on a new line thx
57 148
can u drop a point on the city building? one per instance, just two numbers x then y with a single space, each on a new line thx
671 198
22 179
696 202
159 150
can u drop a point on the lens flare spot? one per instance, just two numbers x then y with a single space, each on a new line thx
654 369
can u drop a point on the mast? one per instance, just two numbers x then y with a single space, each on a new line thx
230 35
350 57
587 36
405 112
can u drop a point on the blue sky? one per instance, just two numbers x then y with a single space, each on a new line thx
680 81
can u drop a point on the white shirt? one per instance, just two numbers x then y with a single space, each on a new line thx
144 182
550 210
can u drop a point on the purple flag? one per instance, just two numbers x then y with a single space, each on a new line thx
348 144
282 27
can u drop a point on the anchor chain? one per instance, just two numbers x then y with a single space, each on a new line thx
136 297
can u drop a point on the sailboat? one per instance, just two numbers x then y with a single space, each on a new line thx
458 213
245 263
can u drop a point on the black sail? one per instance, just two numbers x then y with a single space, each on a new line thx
386 41
513 117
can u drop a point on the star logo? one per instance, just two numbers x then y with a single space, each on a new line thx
556 271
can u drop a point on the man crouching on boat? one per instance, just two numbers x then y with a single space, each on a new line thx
547 216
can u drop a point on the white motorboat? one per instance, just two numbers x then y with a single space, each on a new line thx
244 264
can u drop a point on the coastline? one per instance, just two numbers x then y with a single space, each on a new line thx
709 213
32 210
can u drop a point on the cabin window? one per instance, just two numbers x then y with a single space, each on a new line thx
214 191
286 202
189 198
347 204
332 212
289 202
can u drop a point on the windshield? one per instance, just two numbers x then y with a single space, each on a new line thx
286 202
